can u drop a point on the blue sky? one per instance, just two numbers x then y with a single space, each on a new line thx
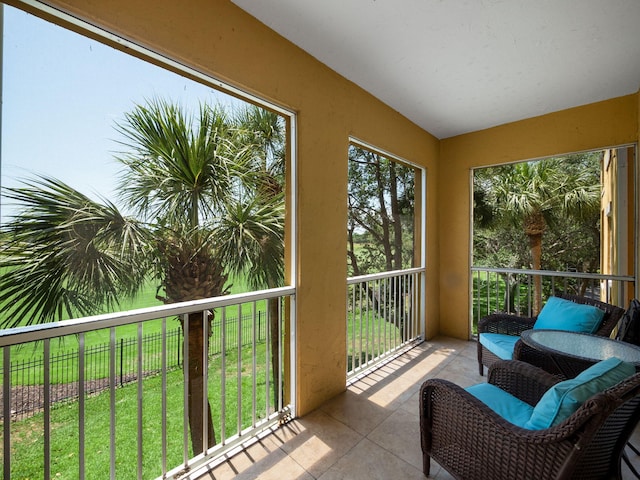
63 93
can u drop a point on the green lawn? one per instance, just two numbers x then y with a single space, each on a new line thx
373 336
27 435
68 345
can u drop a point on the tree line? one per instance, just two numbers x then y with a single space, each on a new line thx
541 214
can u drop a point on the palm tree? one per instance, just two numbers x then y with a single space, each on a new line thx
188 185
532 195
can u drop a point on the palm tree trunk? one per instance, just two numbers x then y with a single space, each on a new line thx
198 342
274 325
395 215
384 216
535 243
398 308
510 292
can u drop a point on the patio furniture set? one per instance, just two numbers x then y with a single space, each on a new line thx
561 401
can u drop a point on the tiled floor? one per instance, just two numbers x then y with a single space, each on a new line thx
369 432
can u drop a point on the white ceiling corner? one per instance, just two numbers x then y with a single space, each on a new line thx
458 66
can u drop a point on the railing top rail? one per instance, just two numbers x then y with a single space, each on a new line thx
551 273
378 276
14 336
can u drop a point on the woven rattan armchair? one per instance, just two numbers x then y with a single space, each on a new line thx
471 441
510 324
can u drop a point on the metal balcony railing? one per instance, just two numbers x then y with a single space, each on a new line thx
384 316
141 428
512 290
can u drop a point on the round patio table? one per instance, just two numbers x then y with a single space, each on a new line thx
573 352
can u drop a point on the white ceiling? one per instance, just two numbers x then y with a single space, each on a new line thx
455 66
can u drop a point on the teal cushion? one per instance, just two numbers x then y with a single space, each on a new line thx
504 404
561 314
499 344
564 398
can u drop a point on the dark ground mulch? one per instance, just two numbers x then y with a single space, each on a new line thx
28 400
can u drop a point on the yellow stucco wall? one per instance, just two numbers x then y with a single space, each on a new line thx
608 123
218 38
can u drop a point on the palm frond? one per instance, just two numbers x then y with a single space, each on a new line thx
250 239
176 167
66 255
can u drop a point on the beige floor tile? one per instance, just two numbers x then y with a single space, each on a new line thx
276 469
632 456
356 411
392 392
321 442
251 460
431 364
441 474
413 404
368 461
400 435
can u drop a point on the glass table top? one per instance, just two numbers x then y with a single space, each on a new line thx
583 345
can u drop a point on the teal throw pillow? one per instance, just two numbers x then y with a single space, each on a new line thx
561 314
564 398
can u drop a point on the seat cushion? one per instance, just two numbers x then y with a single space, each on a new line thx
499 344
561 314
504 404
564 398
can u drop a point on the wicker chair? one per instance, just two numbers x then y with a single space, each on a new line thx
629 326
629 331
514 325
471 441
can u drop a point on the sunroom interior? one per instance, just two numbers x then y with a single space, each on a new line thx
447 107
